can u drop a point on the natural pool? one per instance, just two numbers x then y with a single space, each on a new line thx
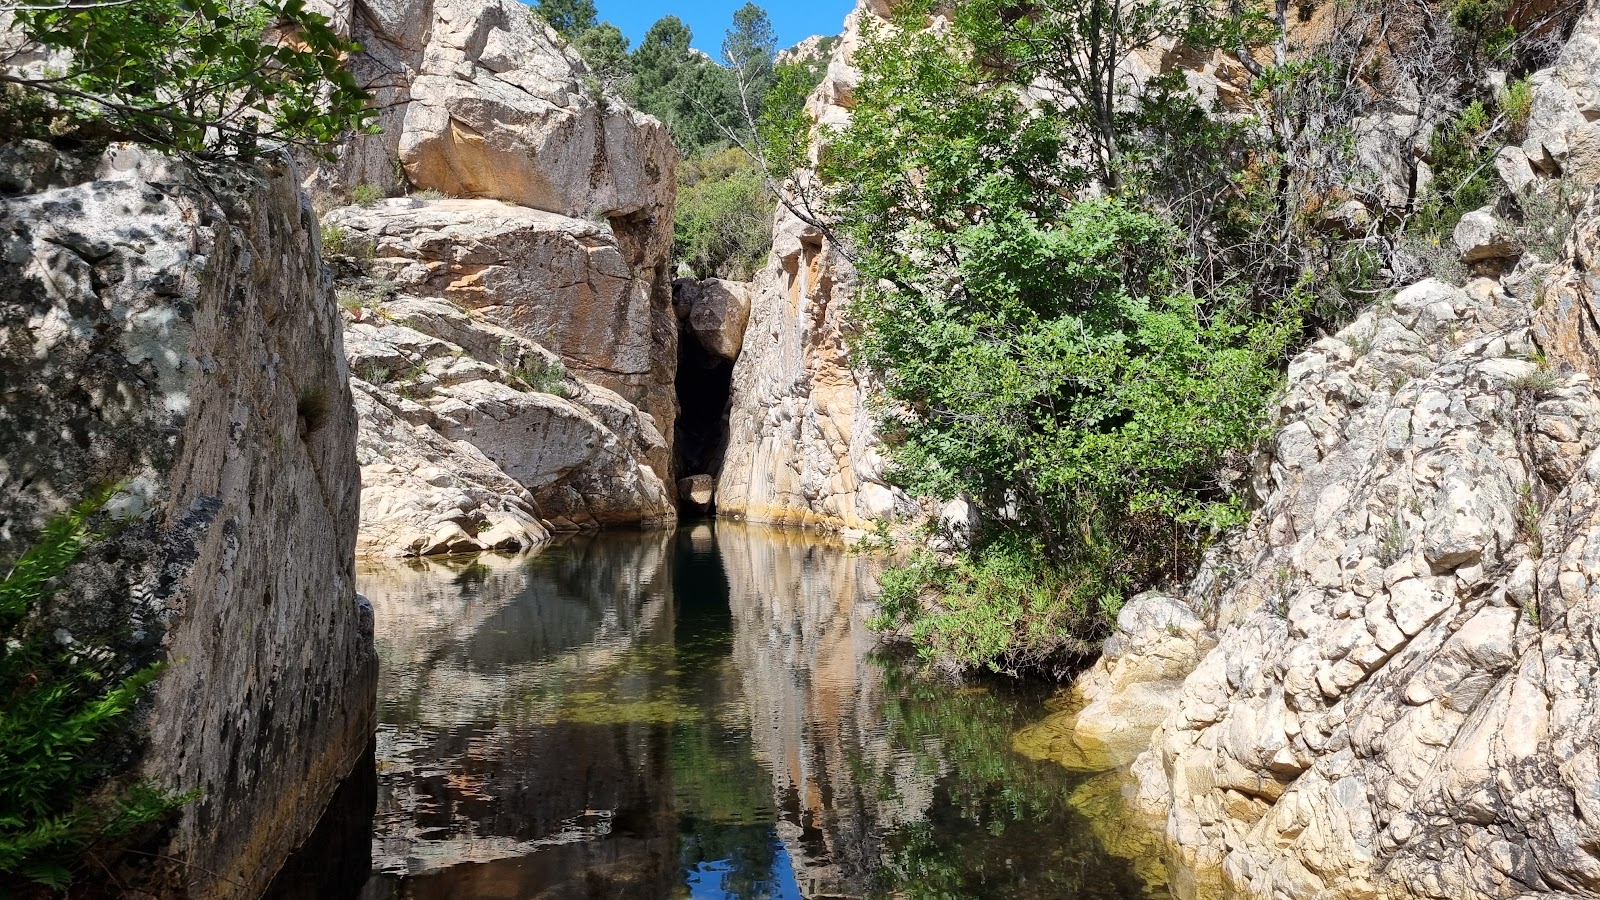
702 713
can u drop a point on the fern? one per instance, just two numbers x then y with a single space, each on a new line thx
60 717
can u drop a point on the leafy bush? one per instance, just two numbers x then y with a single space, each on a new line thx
723 224
195 75
545 377
60 712
1028 310
365 195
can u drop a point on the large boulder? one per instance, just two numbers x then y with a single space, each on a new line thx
1566 97
476 438
170 328
717 311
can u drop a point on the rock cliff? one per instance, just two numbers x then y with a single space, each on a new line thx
170 328
512 323
1384 686
802 447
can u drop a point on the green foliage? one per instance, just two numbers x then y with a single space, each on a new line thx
570 18
365 195
60 712
195 75
694 96
605 49
1040 349
1516 105
1461 153
544 377
335 239
723 227
1484 27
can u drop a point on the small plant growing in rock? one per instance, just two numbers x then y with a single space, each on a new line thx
544 377
1391 544
1535 385
335 239
1529 512
1546 220
365 195
429 194
1285 582
373 374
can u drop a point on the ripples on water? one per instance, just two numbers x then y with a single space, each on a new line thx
700 714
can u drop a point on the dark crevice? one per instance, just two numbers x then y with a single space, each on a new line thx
704 387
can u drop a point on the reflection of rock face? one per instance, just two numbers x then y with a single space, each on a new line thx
478 764
795 611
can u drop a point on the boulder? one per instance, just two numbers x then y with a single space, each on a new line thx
698 491
1516 173
1481 236
475 438
563 283
718 316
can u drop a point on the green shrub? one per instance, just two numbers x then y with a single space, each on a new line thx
545 377
1461 154
365 195
335 239
1039 333
61 710
723 225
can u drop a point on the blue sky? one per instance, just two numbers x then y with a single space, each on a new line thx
794 20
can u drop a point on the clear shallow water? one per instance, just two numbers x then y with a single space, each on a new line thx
702 714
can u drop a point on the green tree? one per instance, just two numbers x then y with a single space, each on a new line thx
195 75
605 49
695 97
570 18
1035 326
748 49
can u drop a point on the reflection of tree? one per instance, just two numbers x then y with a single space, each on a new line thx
1000 824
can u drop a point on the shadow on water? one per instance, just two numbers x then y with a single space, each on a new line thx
697 714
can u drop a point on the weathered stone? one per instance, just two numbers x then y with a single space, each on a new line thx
170 328
564 283
1480 236
1396 702
802 446
719 314
1516 173
470 425
698 491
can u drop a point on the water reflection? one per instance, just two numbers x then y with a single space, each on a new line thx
697 714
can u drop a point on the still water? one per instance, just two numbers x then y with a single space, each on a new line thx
703 714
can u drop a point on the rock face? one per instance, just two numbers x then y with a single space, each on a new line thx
473 438
802 448
533 247
172 329
1392 691
1391 704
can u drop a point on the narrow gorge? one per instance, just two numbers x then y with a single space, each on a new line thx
400 510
